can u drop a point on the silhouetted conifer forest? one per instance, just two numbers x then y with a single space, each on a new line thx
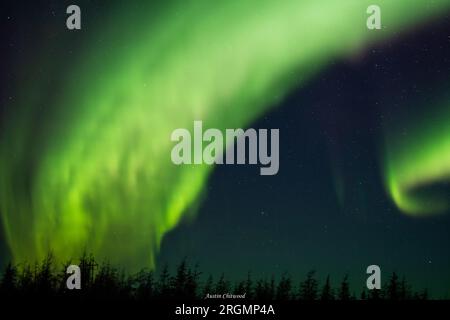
47 279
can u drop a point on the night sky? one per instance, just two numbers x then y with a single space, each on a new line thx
84 159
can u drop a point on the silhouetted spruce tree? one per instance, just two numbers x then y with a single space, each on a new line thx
272 288
87 266
249 286
284 288
327 291
423 295
25 281
62 280
192 282
145 289
179 281
124 286
266 290
8 282
208 286
107 282
45 280
375 294
363 295
239 287
262 290
308 287
164 283
344 290
404 290
222 285
392 289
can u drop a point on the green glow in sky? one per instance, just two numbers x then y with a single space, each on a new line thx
418 164
88 166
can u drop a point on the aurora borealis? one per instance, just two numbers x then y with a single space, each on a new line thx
85 138
421 161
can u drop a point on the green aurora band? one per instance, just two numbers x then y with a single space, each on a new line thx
418 163
93 168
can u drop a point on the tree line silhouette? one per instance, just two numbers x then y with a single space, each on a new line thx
104 281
